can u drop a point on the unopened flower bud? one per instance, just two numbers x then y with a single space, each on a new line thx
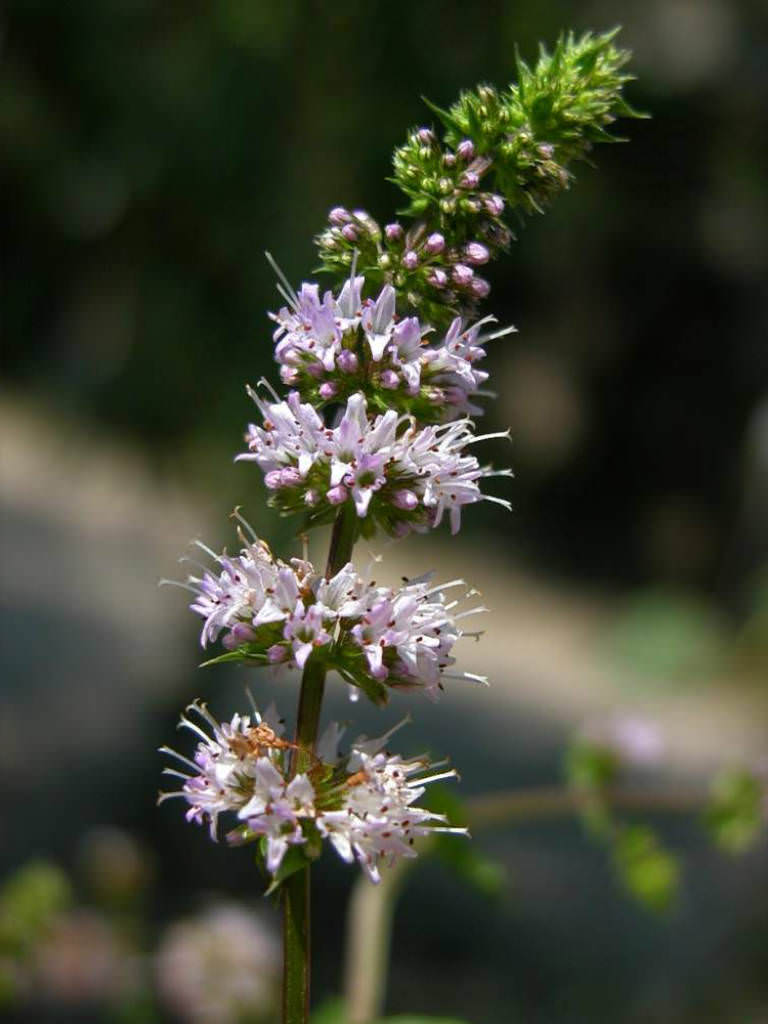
465 149
277 653
311 497
346 361
288 375
290 476
480 287
241 633
476 253
389 379
494 204
410 260
435 243
327 389
316 370
394 232
338 216
546 149
448 205
469 179
405 500
449 159
462 274
273 480
445 186
349 232
425 136
337 495
438 278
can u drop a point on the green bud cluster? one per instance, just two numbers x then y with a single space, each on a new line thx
501 151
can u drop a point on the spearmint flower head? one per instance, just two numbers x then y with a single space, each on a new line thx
364 803
270 613
369 461
332 347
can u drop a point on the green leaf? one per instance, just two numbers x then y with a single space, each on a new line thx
29 900
649 872
333 1013
734 815
294 860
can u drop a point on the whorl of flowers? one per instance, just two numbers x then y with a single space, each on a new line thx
333 347
400 476
269 612
364 803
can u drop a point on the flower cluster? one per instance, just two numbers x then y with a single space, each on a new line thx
363 803
418 260
269 612
399 476
332 347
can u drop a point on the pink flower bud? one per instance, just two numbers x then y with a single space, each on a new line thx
337 495
277 653
480 287
546 149
494 205
410 260
405 499
290 476
349 232
462 274
346 361
288 375
438 278
465 150
425 136
273 480
435 243
327 389
476 253
311 497
469 179
394 232
241 633
338 216
389 379
316 370
449 160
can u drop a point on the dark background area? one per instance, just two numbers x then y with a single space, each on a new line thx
149 153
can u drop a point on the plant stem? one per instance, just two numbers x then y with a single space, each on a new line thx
296 896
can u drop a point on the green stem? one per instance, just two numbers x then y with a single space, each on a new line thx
296 903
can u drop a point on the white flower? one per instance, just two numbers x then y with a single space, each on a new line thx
371 462
378 820
328 348
364 803
280 614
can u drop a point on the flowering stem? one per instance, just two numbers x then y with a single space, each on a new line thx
296 888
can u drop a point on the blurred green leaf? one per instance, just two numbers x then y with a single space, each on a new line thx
333 1013
589 765
649 872
29 900
734 816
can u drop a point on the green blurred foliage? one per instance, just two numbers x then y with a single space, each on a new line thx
648 871
333 1013
736 813
29 901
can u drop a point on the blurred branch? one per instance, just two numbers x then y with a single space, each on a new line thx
371 907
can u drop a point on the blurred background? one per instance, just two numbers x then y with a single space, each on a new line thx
149 153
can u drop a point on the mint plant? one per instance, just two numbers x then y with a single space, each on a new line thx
375 435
